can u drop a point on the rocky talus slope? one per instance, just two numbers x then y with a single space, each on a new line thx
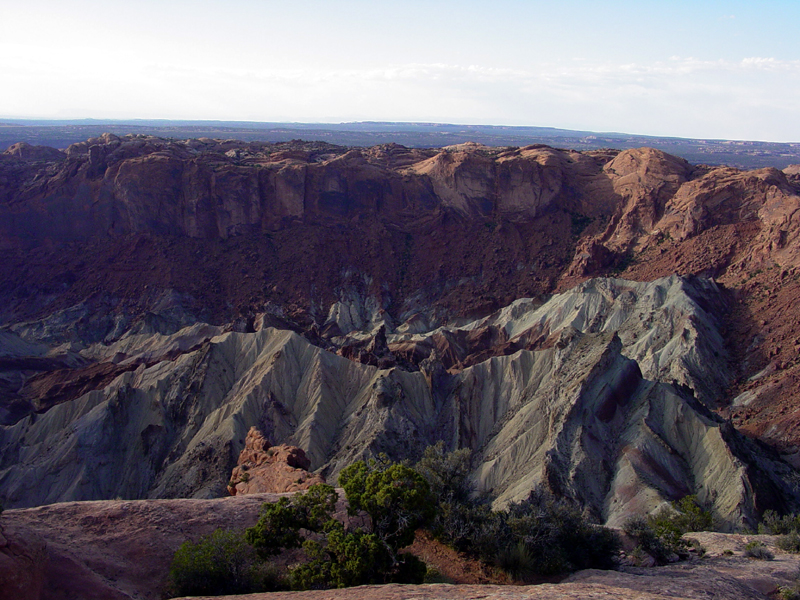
598 394
174 294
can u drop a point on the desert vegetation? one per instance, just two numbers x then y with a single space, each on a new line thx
306 542
219 564
758 550
387 503
786 527
774 524
661 535
541 535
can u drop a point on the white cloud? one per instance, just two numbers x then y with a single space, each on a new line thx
753 98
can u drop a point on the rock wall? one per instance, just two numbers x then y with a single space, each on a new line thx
114 186
173 294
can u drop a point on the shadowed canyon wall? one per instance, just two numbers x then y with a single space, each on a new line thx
353 301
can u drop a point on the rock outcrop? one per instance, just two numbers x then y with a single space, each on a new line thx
598 394
28 153
24 562
353 301
208 189
229 224
111 550
270 469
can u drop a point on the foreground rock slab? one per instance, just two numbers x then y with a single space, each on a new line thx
673 584
121 550
107 550
718 576
441 591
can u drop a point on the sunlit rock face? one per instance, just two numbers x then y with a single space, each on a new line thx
160 298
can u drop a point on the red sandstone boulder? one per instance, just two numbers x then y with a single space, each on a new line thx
265 469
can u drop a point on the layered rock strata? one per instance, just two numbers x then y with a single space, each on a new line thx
603 404
337 240
173 294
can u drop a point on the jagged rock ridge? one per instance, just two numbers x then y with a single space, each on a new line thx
175 293
118 224
574 412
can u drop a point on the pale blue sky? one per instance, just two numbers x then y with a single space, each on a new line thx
691 69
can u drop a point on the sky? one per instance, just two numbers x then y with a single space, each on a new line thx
700 69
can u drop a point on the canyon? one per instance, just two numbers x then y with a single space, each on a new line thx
617 326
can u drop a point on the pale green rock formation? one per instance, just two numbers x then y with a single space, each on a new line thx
593 415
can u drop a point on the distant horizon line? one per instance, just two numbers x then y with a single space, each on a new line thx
340 125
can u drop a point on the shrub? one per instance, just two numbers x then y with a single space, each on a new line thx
489 534
757 550
468 525
338 558
558 536
542 534
517 561
661 534
774 524
280 522
685 515
663 550
789 542
447 473
462 519
433 575
409 569
692 516
221 563
395 497
698 548
789 592
344 560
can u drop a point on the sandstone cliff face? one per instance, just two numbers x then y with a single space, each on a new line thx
741 228
112 186
350 301
646 179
